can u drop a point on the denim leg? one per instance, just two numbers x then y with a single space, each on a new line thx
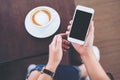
67 73
62 72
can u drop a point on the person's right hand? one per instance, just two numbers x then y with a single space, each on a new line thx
55 51
88 45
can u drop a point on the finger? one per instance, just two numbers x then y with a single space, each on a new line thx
63 35
69 27
59 42
77 46
93 28
66 42
91 31
65 47
65 51
71 21
54 41
90 35
67 33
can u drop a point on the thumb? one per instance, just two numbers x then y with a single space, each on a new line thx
90 35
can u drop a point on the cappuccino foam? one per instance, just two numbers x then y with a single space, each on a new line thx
41 17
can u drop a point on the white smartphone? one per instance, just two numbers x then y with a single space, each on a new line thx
81 21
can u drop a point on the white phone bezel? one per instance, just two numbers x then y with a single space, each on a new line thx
84 9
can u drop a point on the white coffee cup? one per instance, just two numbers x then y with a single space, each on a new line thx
41 17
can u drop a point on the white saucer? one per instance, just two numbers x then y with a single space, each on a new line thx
44 32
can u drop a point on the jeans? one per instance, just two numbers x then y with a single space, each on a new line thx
63 72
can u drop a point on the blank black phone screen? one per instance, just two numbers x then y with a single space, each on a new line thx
80 25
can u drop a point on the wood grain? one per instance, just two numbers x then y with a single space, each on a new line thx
15 42
107 32
17 48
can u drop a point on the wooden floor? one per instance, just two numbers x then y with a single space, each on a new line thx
107 32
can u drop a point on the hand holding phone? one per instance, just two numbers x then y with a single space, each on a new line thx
81 21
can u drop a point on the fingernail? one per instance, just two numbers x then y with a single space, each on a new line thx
67 32
68 42
59 37
68 47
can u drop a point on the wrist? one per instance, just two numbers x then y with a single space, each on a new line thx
47 71
88 57
87 54
86 51
51 67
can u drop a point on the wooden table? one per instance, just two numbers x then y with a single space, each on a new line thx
18 49
15 42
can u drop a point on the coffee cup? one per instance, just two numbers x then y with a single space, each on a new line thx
41 17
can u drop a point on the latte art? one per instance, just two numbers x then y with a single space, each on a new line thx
41 17
42 22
